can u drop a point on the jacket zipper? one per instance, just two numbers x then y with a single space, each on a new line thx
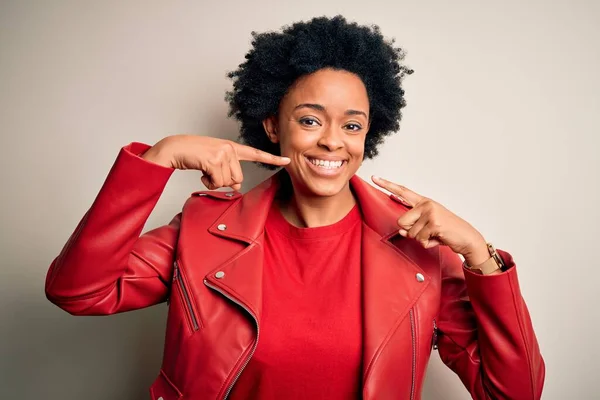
435 335
186 296
237 375
414 353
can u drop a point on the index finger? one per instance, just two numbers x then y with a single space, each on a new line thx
247 153
398 190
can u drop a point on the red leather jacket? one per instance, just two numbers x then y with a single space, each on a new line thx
207 264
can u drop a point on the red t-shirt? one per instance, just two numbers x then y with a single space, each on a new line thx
310 344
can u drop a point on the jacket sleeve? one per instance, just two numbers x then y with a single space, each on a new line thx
485 333
106 267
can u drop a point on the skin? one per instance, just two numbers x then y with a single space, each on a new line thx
324 115
432 224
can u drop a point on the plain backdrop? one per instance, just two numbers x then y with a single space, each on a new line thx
501 127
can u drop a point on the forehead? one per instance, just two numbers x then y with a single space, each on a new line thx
333 89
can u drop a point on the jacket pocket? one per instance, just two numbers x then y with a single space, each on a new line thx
186 299
164 389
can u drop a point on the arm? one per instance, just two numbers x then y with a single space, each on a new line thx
106 267
486 335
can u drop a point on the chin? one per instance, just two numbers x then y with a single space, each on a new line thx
324 188
313 184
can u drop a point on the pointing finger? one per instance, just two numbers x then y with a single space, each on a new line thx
404 193
247 153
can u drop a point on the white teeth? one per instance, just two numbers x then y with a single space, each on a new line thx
326 163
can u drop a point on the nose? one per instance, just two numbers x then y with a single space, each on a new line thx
331 139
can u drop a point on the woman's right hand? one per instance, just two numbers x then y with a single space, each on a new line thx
218 159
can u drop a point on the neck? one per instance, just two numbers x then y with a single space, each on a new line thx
306 210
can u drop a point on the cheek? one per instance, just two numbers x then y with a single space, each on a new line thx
356 147
294 141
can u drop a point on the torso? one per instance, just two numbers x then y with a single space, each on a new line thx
310 342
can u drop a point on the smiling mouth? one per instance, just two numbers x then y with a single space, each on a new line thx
326 164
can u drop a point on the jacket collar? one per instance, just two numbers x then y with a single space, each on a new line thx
245 220
389 275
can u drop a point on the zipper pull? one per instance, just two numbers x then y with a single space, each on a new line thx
435 336
175 273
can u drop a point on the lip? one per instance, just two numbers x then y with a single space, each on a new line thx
329 173
326 158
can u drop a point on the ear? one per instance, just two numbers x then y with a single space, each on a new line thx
270 125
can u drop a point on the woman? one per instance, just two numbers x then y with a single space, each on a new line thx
314 284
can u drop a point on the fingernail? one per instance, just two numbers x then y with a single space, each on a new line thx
402 232
402 201
399 199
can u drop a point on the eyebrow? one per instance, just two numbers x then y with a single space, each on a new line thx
319 107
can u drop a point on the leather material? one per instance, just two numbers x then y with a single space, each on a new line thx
163 389
207 262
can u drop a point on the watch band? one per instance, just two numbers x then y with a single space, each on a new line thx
493 264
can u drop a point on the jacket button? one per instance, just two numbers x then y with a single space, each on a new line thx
420 277
220 274
160 398
221 227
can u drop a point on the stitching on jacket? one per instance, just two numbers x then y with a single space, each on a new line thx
404 316
254 243
529 363
139 257
59 261
243 299
478 362
463 348
231 259
382 346
247 350
173 386
223 216
101 293
73 299
233 369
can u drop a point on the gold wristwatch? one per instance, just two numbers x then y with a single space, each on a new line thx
493 264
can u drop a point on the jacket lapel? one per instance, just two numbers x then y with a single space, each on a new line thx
244 222
390 285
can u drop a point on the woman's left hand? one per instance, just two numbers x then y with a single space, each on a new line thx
431 224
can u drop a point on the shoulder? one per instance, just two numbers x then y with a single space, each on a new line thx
210 201
217 195
377 203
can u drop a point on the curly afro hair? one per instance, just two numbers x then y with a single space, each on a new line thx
277 59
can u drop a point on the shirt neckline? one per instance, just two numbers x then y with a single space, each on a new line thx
277 221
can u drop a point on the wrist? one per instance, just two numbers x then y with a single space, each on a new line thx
159 154
478 255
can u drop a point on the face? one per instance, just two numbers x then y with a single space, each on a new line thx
321 126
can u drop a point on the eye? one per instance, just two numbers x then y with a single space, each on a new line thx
309 122
353 127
